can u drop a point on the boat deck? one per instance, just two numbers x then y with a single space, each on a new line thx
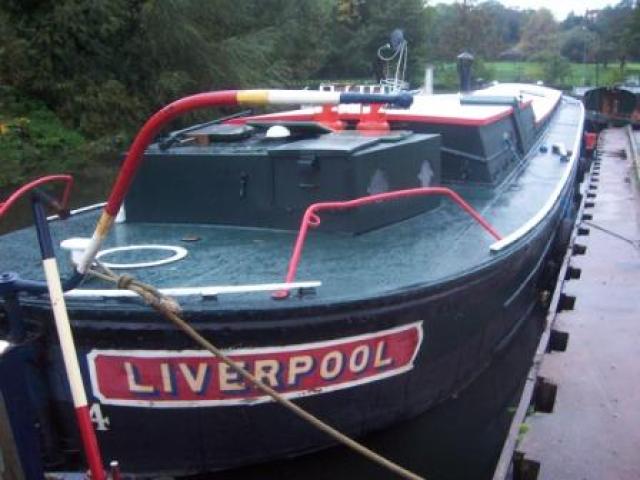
446 108
349 267
594 431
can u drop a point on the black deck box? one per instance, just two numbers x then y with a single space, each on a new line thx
268 183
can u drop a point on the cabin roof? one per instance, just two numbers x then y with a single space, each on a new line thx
447 108
543 99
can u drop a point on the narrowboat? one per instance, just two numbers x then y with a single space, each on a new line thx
366 255
611 106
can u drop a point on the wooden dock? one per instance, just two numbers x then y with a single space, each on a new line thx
593 431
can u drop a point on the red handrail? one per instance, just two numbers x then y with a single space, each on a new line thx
26 188
311 219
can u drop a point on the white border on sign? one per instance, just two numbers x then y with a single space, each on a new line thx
91 356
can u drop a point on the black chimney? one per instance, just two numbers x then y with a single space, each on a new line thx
465 60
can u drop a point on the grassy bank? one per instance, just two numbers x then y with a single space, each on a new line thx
579 74
446 75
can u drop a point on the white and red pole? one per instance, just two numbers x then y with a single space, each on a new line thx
67 345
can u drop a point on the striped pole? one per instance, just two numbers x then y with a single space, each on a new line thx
69 355
151 128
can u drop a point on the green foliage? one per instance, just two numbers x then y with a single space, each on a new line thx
578 44
555 69
100 67
482 71
540 34
33 141
614 26
354 40
614 76
578 73
482 29
105 66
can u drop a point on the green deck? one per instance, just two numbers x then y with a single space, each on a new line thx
425 249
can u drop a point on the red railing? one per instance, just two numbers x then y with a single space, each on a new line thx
23 190
311 219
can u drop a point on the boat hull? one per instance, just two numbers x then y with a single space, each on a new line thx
461 324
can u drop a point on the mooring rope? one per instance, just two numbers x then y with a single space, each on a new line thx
171 309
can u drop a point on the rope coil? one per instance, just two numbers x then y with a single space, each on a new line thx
124 281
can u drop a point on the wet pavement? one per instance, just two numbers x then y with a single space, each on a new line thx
594 431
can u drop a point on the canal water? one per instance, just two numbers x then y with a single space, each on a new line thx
89 187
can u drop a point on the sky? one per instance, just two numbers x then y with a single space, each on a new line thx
560 8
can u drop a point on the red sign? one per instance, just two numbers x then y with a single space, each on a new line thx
154 378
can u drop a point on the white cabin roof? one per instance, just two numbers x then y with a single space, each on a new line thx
447 109
543 99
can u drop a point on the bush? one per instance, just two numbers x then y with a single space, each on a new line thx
482 71
555 69
33 141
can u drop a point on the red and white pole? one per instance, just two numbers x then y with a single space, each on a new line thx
67 345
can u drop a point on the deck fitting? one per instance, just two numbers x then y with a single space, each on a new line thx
524 468
566 302
544 395
572 273
558 341
306 291
587 216
589 204
582 231
578 249
591 195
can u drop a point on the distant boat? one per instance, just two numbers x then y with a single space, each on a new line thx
611 106
433 221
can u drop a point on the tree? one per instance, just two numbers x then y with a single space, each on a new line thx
611 27
579 44
506 24
104 66
486 29
354 39
539 34
555 68
631 34
572 21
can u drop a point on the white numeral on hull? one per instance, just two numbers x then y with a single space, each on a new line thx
102 422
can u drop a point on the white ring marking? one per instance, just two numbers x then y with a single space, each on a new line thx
178 254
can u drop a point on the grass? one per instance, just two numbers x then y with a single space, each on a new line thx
580 74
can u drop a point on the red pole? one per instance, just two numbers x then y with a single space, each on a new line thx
150 129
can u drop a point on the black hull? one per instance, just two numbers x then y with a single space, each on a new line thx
467 321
